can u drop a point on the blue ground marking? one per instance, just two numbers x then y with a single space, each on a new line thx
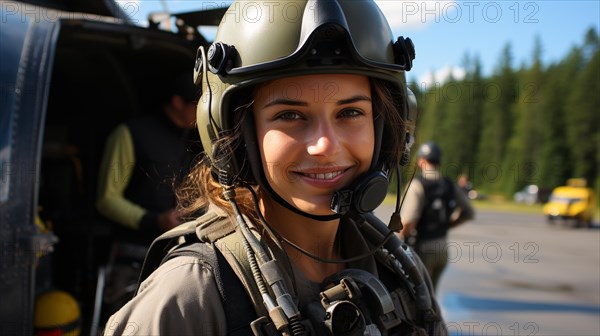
459 307
456 301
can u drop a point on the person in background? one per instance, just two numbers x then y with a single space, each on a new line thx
433 204
144 159
464 184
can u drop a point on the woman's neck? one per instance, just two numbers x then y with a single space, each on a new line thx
319 238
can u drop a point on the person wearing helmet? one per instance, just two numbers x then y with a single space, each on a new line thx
302 119
433 205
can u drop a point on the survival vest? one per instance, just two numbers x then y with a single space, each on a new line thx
437 209
214 239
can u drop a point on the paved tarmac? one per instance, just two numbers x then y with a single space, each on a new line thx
514 274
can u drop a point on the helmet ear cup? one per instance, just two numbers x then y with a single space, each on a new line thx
369 194
364 195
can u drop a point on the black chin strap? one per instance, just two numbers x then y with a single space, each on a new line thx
281 201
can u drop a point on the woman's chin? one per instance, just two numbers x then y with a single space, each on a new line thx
321 208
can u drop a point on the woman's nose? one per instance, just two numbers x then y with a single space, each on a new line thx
324 141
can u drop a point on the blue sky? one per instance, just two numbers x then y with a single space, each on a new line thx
445 31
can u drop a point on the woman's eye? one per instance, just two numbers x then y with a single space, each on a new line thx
350 113
288 115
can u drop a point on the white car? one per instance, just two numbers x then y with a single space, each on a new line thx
528 195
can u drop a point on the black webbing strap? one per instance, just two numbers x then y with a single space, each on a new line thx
239 311
160 248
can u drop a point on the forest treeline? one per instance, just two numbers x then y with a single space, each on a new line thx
532 124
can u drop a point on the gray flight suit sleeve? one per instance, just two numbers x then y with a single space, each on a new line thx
180 298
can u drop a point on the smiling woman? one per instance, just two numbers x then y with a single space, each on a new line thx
317 142
298 129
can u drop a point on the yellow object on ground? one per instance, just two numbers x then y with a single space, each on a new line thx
57 313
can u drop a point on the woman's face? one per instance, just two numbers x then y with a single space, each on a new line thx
315 135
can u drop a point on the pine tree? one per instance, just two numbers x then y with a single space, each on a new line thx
525 145
554 160
582 118
499 95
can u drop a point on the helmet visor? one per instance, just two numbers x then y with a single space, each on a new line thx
348 36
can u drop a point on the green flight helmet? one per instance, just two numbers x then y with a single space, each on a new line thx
259 41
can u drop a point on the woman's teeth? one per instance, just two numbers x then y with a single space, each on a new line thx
324 176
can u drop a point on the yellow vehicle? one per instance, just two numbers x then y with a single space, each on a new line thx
571 202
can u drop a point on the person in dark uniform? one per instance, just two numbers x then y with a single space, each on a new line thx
144 159
433 204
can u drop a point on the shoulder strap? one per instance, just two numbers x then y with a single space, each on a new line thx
202 238
161 246
232 249
239 310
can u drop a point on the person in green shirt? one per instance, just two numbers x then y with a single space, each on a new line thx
143 160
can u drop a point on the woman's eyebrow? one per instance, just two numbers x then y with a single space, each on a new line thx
291 102
283 101
354 99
